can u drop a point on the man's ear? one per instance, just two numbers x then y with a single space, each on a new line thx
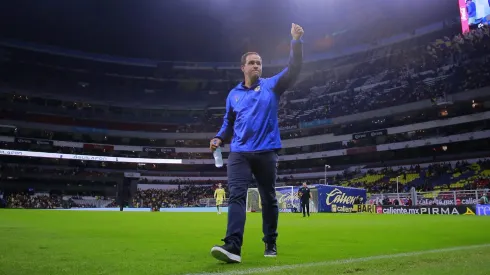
243 68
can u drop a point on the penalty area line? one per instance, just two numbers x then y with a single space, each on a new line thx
278 268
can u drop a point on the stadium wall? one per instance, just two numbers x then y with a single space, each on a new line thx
177 209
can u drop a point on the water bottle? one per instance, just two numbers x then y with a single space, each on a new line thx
218 158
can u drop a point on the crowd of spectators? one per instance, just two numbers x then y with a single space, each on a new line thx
448 65
30 200
189 193
182 196
438 176
338 145
55 170
23 200
404 74
445 66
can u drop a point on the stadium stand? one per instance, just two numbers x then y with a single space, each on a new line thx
410 114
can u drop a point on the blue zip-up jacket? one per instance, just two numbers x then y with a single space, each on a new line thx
251 113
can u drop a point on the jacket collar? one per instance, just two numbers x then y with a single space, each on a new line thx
241 85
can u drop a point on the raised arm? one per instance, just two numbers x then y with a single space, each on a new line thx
288 76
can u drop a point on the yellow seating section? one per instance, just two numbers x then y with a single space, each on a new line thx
366 179
478 172
410 177
369 180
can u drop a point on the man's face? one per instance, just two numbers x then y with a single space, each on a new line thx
219 185
304 184
253 66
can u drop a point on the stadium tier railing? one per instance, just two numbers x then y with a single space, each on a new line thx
18 153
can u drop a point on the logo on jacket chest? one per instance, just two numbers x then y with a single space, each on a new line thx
257 88
241 101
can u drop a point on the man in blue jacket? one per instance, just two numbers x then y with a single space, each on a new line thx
251 121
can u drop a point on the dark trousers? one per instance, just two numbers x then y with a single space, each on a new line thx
305 206
241 166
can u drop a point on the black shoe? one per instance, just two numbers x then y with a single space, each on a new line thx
226 253
270 250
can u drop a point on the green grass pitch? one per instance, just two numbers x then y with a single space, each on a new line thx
89 243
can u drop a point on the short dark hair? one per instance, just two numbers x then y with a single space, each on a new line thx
244 56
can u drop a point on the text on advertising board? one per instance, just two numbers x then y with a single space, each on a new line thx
365 208
428 210
33 141
337 196
158 150
371 134
338 199
483 210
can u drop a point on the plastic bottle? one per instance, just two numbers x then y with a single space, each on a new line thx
218 157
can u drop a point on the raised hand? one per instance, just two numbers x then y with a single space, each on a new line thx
296 31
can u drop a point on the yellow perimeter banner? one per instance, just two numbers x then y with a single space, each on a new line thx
361 208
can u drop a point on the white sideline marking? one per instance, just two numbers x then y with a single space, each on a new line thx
338 262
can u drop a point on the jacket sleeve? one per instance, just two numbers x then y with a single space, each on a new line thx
286 78
228 121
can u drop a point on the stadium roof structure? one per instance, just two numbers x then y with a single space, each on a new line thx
210 30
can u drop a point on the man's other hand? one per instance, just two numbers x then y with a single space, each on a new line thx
214 143
296 31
